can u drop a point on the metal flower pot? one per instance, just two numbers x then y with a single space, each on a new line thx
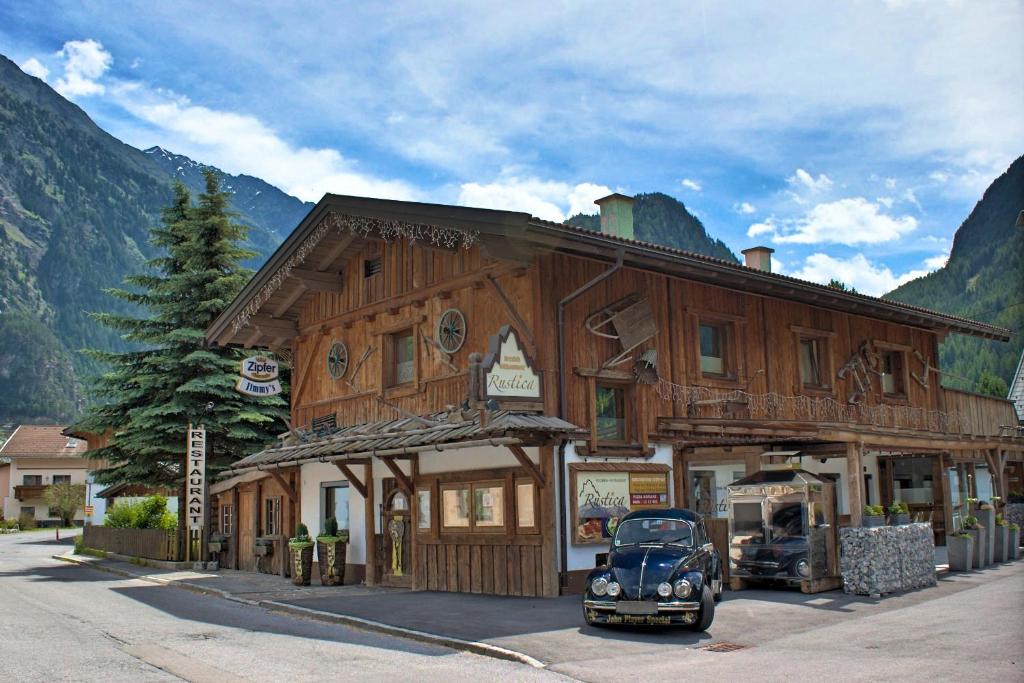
874 520
901 518
999 551
979 536
1014 544
960 552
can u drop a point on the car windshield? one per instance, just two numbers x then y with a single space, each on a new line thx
663 531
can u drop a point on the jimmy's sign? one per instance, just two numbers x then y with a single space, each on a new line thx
259 377
195 476
508 371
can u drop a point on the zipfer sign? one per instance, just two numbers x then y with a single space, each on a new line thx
259 377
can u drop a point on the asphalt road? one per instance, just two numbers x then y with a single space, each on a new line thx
60 622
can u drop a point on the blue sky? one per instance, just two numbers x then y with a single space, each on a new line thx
852 137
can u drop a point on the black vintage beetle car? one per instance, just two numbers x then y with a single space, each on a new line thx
662 570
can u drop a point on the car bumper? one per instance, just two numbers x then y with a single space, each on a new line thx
669 613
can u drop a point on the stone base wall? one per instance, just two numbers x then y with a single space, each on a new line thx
1014 513
887 559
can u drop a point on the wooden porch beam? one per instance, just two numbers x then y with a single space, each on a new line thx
401 478
289 490
528 464
334 252
275 326
351 477
855 482
298 289
317 281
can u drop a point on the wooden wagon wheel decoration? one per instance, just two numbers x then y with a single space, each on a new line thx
451 331
337 360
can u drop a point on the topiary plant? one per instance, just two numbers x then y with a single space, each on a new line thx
330 528
301 534
970 522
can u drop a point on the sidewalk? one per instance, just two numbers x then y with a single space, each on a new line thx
549 631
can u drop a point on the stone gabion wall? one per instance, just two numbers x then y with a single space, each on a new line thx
1014 513
888 559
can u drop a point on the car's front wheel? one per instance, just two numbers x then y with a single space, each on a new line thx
706 614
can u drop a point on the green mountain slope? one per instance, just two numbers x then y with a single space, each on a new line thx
76 205
983 280
661 219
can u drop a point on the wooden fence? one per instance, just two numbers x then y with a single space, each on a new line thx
152 544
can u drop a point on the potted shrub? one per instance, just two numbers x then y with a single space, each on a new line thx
1002 538
330 553
301 547
1014 544
986 515
960 549
899 513
264 547
218 543
874 515
977 534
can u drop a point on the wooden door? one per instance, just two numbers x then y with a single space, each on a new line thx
246 533
397 532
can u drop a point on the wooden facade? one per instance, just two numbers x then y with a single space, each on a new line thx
373 274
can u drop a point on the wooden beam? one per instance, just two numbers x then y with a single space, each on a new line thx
370 528
332 254
855 482
288 490
253 338
275 327
314 347
512 311
298 289
403 481
317 281
351 477
525 461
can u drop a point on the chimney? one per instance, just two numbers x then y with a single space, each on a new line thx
759 258
616 215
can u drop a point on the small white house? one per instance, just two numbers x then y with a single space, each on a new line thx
40 456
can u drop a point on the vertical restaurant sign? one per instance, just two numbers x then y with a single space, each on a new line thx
196 477
603 498
508 371
259 377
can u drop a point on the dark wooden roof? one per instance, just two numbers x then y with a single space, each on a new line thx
509 232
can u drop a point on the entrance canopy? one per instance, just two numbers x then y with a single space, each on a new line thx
394 438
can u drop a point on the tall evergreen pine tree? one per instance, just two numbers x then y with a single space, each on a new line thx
150 395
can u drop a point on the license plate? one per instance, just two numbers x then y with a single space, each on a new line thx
636 607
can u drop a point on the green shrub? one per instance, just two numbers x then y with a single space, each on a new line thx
970 522
1000 521
874 510
26 522
149 513
9 523
331 527
301 534
899 508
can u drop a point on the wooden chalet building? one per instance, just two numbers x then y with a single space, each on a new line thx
476 394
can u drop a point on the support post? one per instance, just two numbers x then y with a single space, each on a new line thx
371 528
855 482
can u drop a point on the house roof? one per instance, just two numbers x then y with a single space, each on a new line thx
508 232
42 441
438 432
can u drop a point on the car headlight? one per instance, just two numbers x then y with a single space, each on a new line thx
614 589
803 569
664 589
599 586
682 588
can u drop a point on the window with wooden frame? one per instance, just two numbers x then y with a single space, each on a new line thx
892 364
272 516
612 424
716 347
62 479
400 358
527 506
227 519
424 513
713 339
475 507
455 507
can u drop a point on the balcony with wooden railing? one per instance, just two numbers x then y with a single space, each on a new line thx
29 491
981 415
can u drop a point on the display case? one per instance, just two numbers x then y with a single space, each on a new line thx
782 529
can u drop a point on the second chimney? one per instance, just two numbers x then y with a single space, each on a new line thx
616 215
759 258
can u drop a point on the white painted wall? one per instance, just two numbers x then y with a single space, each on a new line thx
582 556
313 476
12 506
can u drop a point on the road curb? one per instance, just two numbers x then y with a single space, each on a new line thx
476 647
473 646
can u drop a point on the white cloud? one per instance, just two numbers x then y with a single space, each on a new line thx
853 220
936 262
885 201
548 199
239 143
803 179
765 227
744 208
890 183
939 176
85 61
691 184
911 198
857 272
33 67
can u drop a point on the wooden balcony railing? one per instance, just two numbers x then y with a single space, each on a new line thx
29 491
981 415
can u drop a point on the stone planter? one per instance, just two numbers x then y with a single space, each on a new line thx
987 519
960 552
330 557
302 562
1002 535
900 519
979 536
874 520
1013 547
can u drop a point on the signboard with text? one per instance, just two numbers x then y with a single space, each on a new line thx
604 497
508 371
195 476
259 376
